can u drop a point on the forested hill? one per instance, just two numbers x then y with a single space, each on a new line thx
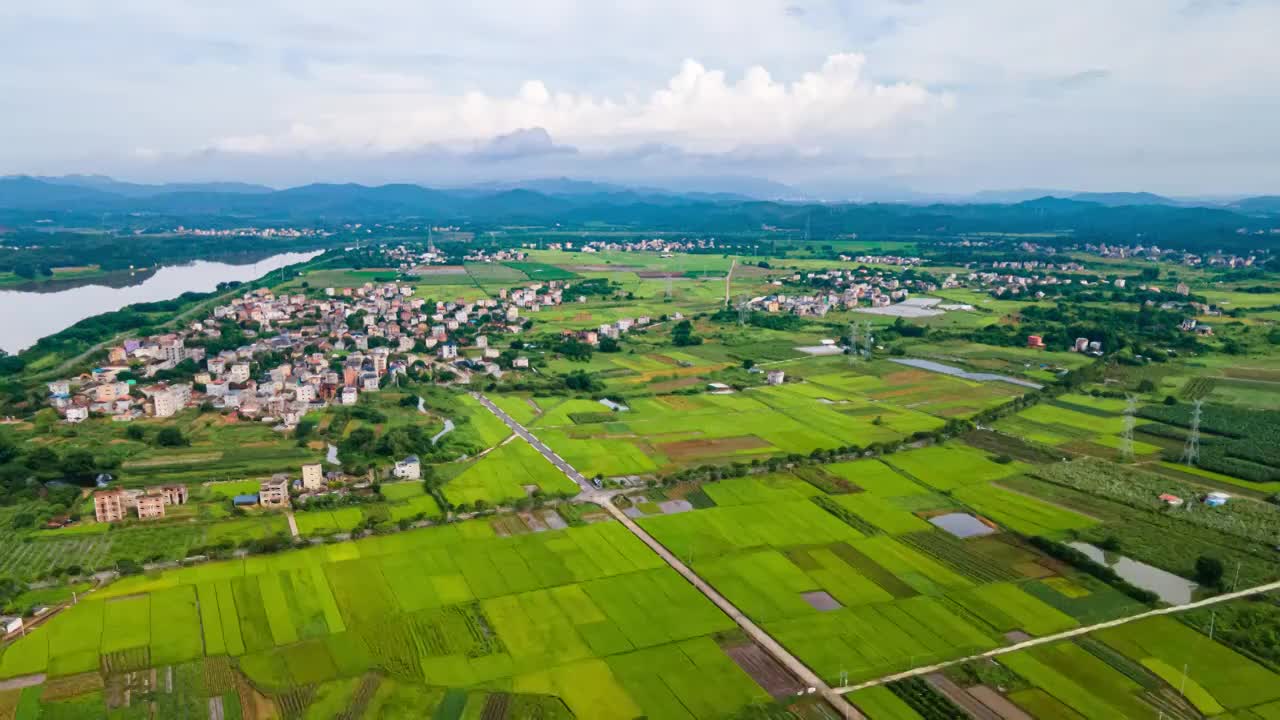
24 201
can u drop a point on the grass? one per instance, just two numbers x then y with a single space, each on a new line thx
718 530
1005 606
1079 680
501 476
882 514
879 703
1021 513
759 489
951 466
328 522
1230 678
452 605
876 478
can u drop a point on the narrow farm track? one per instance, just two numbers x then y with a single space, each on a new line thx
1066 635
773 647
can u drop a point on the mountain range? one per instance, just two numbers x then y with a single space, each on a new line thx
94 201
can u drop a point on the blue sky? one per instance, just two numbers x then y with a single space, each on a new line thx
1175 96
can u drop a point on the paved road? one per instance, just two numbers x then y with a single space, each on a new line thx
587 488
771 646
1225 597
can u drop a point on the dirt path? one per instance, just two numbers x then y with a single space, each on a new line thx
293 523
21 682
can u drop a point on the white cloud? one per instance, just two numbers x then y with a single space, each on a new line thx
698 110
1167 95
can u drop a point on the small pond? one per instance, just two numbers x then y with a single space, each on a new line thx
1171 588
962 525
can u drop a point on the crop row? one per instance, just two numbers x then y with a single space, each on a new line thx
956 555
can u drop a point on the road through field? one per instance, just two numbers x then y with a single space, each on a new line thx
1066 635
604 500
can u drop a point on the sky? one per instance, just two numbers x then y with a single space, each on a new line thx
833 98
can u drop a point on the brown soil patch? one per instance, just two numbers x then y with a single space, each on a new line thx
1252 374
767 672
603 268
582 317
440 270
907 377
671 385
675 371
685 449
681 402
652 274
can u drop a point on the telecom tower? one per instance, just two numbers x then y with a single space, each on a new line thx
1191 453
1126 439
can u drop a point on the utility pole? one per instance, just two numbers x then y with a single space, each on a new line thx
1126 439
1191 453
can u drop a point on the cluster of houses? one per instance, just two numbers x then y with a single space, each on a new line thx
848 289
658 245
885 260
1005 285
119 504
302 352
283 232
1154 252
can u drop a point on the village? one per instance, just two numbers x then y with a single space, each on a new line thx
302 352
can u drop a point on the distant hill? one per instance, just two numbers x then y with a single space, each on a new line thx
1123 218
1264 204
1120 199
128 189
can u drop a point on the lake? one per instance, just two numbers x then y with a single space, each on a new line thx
25 317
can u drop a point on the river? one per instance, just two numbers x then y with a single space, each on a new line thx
25 317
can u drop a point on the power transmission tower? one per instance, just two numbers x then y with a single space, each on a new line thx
1126 438
853 342
1191 453
744 310
867 337
669 281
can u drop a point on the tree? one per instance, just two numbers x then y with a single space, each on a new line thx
1209 570
575 349
748 363
609 345
171 437
79 466
1146 386
682 335
135 432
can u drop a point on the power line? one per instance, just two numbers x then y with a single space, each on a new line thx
1191 453
1126 439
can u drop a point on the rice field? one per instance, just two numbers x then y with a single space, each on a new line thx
452 606
507 473
1022 513
951 466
